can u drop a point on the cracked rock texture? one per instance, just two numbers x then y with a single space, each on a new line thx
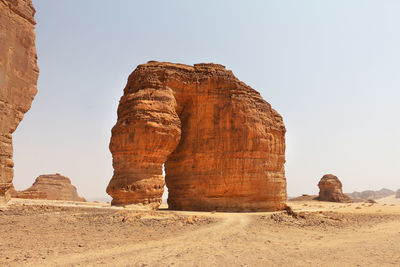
51 187
18 77
330 189
222 144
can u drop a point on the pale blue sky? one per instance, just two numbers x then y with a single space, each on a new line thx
330 68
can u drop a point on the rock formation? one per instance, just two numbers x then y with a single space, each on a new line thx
27 194
398 193
330 189
304 197
18 76
370 194
51 187
223 145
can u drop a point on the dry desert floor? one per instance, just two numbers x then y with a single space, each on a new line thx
55 233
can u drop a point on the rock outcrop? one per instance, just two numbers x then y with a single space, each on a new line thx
370 194
330 189
398 193
27 194
304 197
50 187
18 76
223 146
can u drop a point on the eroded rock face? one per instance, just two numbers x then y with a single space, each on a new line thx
223 145
27 194
330 189
51 187
18 76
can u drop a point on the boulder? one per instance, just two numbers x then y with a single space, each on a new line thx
18 77
50 187
222 144
330 189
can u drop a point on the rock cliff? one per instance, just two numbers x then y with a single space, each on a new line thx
330 189
51 187
18 76
223 146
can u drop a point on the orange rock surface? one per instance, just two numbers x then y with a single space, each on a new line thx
223 145
18 76
330 189
51 187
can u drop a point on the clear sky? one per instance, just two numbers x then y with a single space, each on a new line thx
330 68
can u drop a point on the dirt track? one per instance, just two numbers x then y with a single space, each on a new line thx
321 234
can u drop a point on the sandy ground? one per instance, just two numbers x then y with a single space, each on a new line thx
54 233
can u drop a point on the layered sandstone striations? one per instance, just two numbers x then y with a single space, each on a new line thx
223 145
18 76
330 189
51 187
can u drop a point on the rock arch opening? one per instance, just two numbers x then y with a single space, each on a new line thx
164 197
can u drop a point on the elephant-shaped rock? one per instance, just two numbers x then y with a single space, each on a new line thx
221 143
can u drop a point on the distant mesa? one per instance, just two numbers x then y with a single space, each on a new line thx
398 193
370 194
330 189
50 187
222 144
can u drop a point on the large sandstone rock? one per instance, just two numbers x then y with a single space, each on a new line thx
223 145
398 193
18 76
51 187
330 189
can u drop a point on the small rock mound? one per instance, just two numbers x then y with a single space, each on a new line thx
50 187
304 197
330 189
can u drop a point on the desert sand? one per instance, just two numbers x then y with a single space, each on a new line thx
57 233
